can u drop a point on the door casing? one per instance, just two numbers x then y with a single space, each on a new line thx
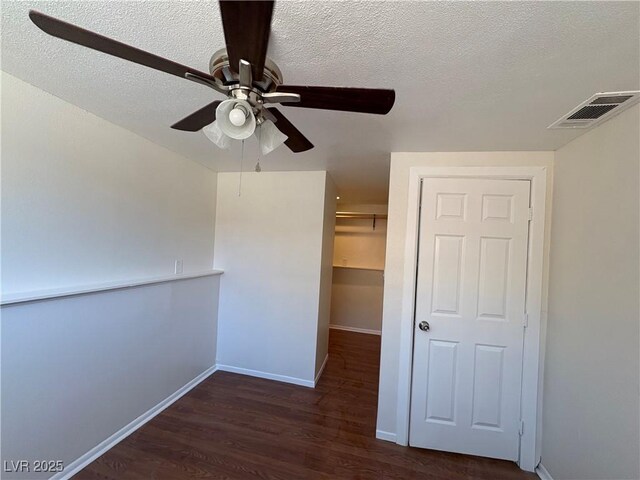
533 343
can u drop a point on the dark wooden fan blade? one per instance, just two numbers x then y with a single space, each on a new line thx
247 25
296 142
363 100
87 38
197 120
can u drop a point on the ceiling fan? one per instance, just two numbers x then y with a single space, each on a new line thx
243 73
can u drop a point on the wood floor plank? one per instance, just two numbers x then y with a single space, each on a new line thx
235 427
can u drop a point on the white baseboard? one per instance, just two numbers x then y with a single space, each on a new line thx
388 436
324 364
268 376
543 473
78 464
354 329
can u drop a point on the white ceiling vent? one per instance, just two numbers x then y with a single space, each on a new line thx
597 109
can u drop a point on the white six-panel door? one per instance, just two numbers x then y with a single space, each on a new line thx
471 283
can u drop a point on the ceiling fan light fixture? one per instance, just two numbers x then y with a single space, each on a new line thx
229 115
238 116
217 136
269 137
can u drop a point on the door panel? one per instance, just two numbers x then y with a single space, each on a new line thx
494 278
471 289
447 274
487 387
441 389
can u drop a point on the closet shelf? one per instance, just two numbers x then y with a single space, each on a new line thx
362 215
360 268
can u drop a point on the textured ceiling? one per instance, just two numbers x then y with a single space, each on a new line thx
468 76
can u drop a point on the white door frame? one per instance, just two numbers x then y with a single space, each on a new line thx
533 341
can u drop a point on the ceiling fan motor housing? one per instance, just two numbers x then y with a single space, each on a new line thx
220 69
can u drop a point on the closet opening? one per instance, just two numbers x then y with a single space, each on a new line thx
358 268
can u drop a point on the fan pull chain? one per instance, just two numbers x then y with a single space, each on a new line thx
240 180
258 168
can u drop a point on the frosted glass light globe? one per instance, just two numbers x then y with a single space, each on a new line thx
237 117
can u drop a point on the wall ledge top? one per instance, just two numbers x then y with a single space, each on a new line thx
35 295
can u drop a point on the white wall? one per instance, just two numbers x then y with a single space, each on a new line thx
394 263
326 275
269 242
77 369
85 201
357 245
591 389
356 299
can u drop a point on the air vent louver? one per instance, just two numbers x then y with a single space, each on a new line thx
597 109
591 112
615 100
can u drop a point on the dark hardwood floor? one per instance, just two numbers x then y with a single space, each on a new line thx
238 427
